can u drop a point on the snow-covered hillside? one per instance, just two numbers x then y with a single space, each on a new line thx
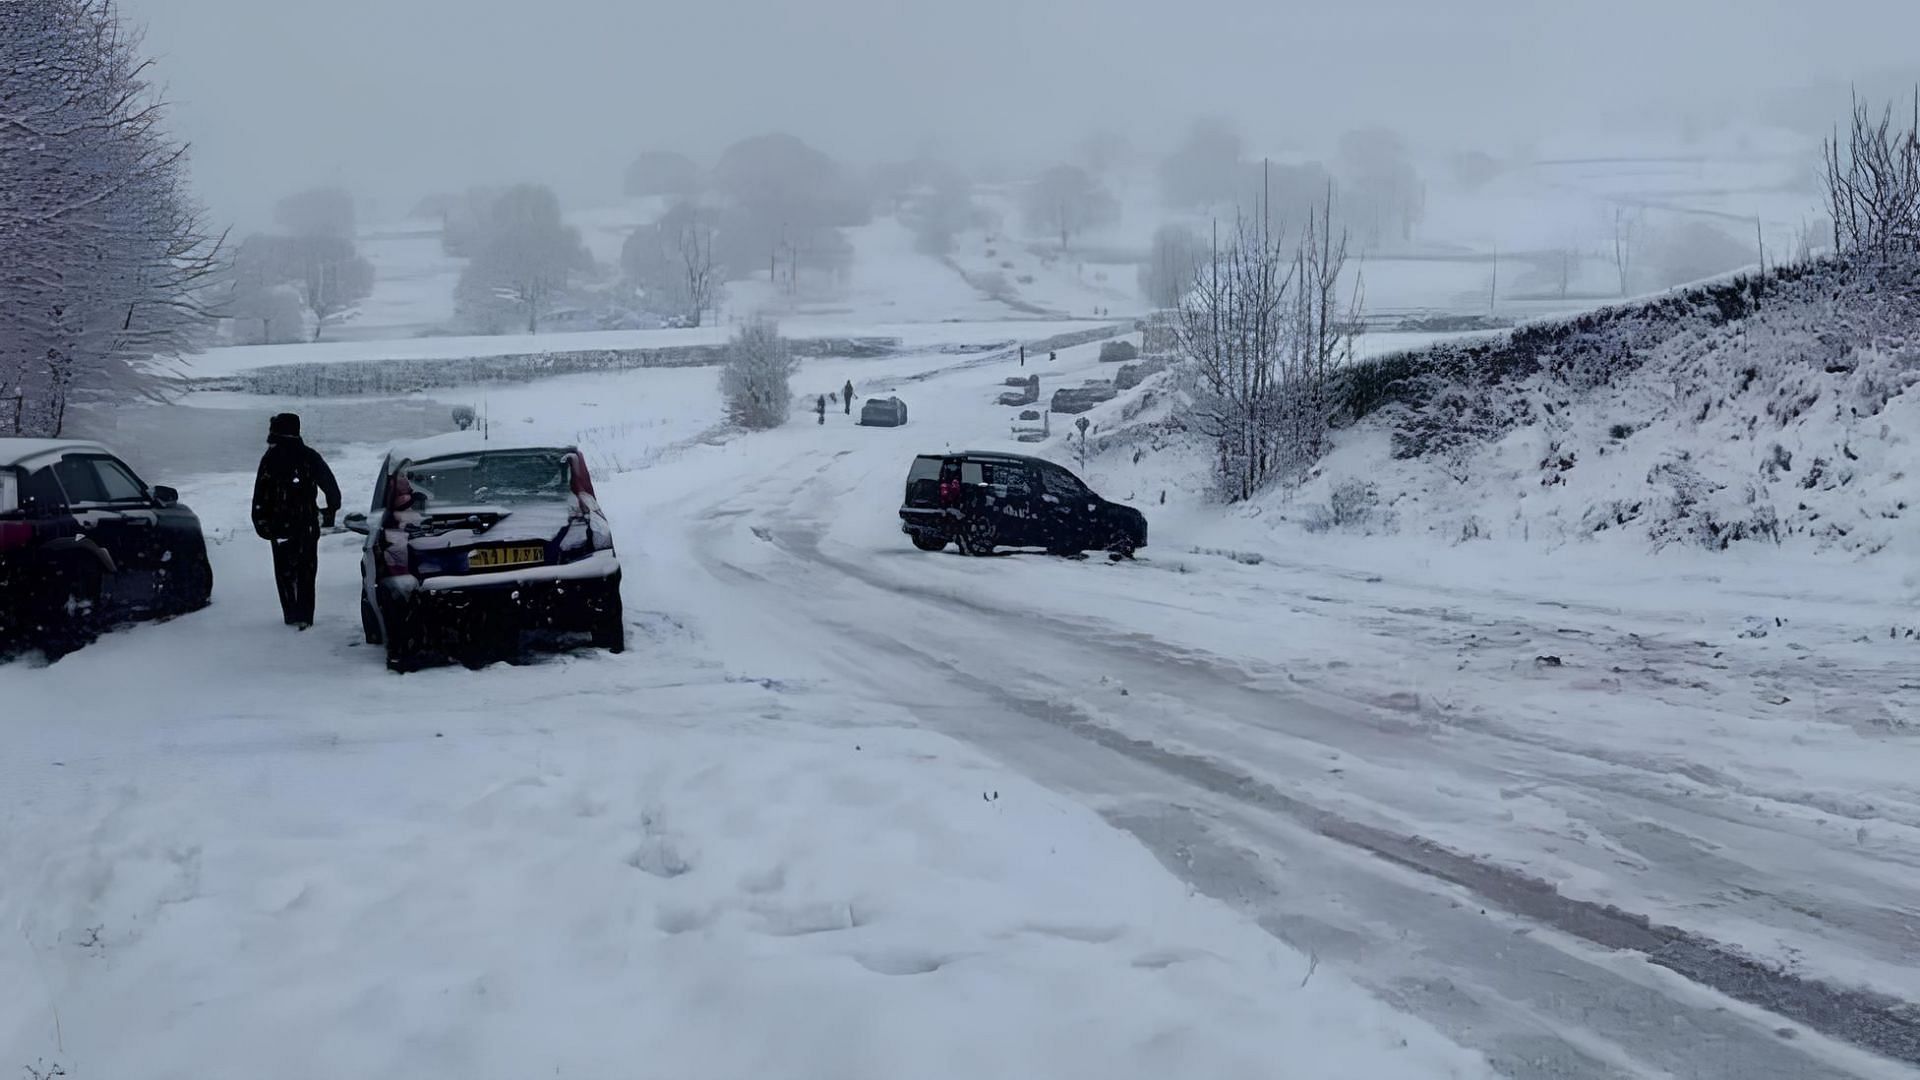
1775 410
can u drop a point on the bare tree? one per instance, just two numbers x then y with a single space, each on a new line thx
1625 235
1175 258
1264 331
1232 326
1066 201
1385 197
104 258
1873 185
325 211
524 260
265 309
671 261
754 377
696 268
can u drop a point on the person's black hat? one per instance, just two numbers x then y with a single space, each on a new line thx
284 424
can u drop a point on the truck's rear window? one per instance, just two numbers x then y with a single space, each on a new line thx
9 491
925 468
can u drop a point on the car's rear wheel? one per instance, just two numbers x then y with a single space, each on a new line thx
929 542
68 607
610 629
403 653
977 537
369 622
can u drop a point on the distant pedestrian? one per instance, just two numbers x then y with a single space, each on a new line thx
1052 356
821 407
285 512
847 396
1023 356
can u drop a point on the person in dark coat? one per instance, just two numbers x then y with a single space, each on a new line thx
291 479
846 395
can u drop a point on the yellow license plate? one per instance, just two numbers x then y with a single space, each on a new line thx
502 557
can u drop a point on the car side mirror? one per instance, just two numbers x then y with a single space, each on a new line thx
164 496
356 522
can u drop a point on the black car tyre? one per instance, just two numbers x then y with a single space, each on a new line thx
369 622
925 542
610 630
977 537
196 585
68 607
403 655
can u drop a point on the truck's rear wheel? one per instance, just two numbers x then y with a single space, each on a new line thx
977 537
926 542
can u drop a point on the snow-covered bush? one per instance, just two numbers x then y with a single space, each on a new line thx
1752 410
754 376
1118 352
1352 506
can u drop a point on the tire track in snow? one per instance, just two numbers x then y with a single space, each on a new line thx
1881 1023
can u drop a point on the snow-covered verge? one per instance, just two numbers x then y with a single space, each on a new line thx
1775 409
245 852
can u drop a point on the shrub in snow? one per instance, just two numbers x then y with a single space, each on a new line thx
1118 352
1132 375
1352 506
754 377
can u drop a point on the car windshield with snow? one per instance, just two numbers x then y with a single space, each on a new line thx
472 546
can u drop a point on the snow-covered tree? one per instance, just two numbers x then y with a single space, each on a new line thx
1381 193
104 259
332 277
1873 184
754 377
325 211
1173 261
1206 168
264 308
1065 201
662 172
671 261
1263 330
524 259
938 207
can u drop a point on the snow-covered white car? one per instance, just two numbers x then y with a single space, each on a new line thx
474 544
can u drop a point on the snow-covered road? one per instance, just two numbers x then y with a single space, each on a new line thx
850 809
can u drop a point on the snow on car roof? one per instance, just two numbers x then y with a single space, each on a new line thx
468 442
21 451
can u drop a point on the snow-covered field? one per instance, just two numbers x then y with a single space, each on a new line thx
1363 801
1261 801
249 852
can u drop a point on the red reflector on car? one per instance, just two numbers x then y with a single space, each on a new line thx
15 535
582 482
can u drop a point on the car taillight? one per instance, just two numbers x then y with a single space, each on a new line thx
582 482
949 493
15 535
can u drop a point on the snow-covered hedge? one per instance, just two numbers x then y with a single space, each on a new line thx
352 378
1752 409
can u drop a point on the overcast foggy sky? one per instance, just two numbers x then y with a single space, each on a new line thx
394 98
